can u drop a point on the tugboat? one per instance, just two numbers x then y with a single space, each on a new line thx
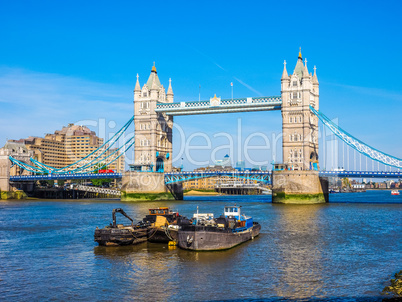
207 233
164 224
118 234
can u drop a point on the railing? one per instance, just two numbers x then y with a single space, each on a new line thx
226 105
177 177
98 190
359 174
66 176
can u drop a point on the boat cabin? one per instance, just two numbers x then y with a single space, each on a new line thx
243 221
160 211
154 213
233 211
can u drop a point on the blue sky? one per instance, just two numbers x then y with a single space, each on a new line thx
77 62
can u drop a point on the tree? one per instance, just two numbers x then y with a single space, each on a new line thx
101 182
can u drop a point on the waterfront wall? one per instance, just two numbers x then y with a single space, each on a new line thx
4 170
143 186
299 187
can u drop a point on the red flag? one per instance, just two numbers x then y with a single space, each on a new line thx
231 83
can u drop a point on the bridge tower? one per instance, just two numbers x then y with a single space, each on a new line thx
299 125
300 183
153 131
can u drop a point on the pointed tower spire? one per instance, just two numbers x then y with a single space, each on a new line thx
315 80
153 78
285 72
305 71
299 66
137 85
170 90
169 95
154 85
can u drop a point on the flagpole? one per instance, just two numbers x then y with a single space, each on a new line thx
199 93
231 84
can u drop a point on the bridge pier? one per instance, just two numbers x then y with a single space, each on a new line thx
299 187
7 190
4 172
148 186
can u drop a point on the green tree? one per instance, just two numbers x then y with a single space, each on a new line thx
101 182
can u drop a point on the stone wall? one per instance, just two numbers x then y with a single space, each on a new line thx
4 170
143 186
299 187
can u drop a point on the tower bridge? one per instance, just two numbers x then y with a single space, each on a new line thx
152 171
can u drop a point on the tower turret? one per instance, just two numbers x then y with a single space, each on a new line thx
169 95
137 89
299 125
153 131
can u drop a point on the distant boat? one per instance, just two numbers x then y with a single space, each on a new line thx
266 192
394 192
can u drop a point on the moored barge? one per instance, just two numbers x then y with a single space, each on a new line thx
119 234
164 225
207 233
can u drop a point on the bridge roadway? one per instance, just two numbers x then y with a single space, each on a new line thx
216 105
176 177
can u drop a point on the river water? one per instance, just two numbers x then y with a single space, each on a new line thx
347 249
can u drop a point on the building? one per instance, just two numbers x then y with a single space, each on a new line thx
225 162
68 145
153 131
211 183
240 165
300 90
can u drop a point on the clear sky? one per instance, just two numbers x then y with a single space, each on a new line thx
76 61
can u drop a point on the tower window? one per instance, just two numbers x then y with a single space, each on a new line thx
294 83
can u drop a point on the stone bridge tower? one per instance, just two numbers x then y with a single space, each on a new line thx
300 126
153 131
19 152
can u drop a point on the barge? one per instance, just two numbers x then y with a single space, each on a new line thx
119 234
164 225
207 233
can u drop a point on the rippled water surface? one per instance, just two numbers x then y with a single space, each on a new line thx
349 248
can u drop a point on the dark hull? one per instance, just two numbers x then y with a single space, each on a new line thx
206 238
116 236
161 235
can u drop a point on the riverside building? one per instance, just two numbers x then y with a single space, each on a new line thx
66 146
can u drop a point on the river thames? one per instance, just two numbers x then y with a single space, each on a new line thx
347 249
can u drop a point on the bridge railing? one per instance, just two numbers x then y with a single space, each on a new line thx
258 103
177 177
66 176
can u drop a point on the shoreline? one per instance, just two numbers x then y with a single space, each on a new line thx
200 193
